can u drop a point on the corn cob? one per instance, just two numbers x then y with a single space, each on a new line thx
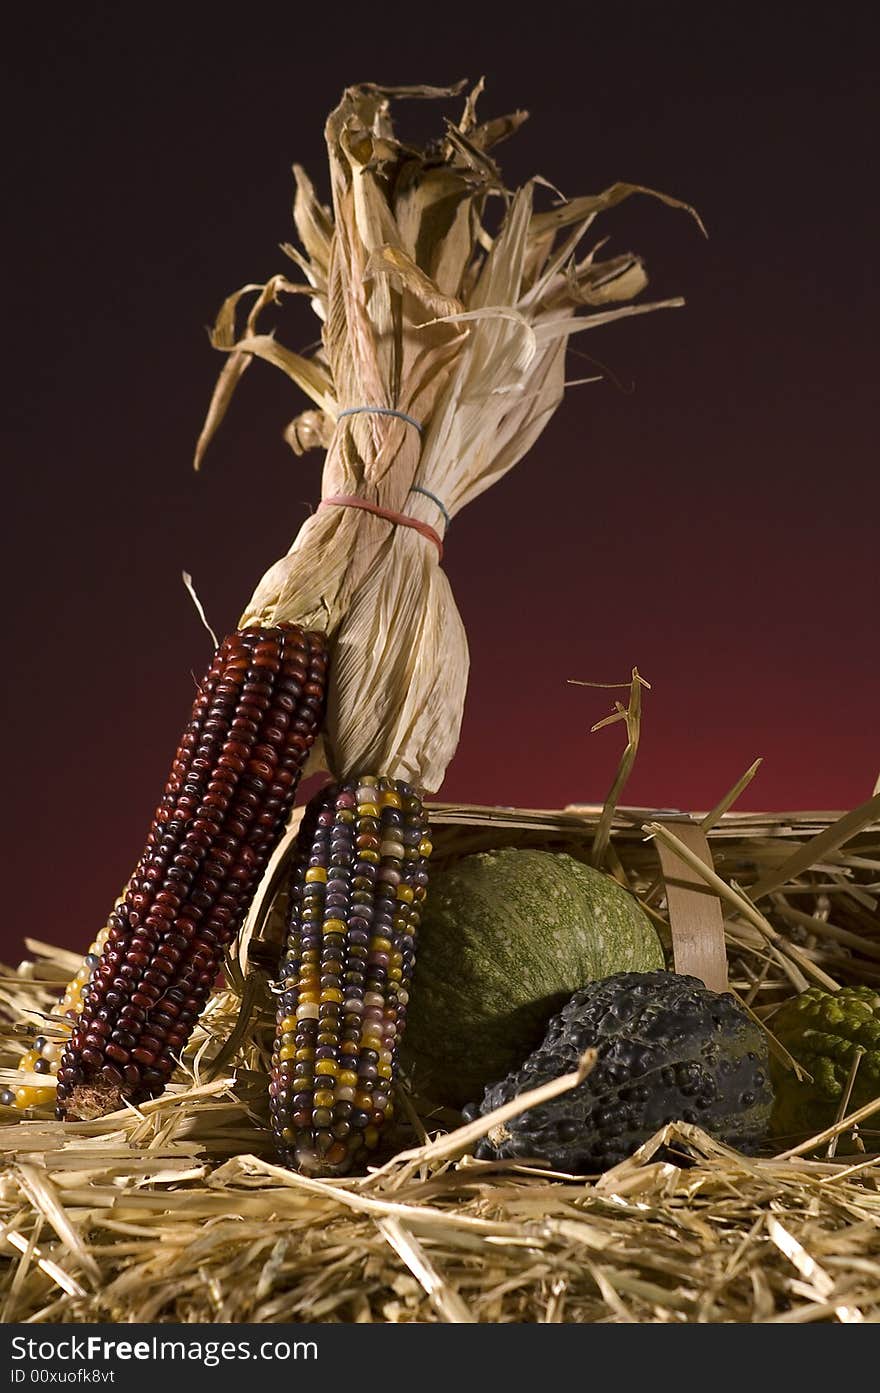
357 883
225 804
45 1053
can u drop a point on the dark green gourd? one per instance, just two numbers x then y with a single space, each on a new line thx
668 1049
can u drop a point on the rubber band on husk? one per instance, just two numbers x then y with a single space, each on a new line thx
345 500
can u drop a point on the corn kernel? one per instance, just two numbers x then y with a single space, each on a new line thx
248 668
352 996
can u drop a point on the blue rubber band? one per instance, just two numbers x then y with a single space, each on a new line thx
381 411
417 488
411 421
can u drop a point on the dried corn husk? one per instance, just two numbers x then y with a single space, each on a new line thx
426 312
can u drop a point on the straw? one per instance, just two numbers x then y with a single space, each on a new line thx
177 1211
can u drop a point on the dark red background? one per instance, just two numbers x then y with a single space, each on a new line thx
712 517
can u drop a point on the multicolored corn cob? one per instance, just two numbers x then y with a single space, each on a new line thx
358 879
226 802
44 1056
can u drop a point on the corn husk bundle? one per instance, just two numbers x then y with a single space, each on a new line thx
425 311
176 1212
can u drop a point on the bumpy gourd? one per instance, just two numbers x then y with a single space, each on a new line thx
668 1049
506 937
824 1031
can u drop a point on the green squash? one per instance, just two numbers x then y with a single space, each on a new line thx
507 937
824 1031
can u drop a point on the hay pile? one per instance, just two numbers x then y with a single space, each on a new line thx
176 1212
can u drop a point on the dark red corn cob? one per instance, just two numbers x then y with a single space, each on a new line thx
358 880
226 802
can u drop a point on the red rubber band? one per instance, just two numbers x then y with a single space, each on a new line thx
346 500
